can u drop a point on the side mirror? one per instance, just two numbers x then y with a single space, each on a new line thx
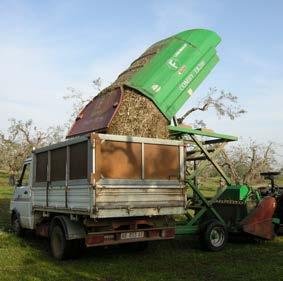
12 180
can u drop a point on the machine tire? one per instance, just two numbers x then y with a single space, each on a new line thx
16 225
214 236
59 245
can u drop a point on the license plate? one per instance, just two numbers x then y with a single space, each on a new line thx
132 235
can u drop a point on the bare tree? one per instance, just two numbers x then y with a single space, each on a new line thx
19 141
244 162
80 99
225 105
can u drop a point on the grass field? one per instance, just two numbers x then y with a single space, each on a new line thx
180 259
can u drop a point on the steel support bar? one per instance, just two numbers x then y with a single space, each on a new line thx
208 204
189 131
217 167
203 165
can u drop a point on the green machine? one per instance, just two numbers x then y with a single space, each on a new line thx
175 67
168 73
234 209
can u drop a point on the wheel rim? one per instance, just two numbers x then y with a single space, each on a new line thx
217 236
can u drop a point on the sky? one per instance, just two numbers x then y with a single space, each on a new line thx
48 46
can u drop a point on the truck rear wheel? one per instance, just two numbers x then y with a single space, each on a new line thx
214 236
60 246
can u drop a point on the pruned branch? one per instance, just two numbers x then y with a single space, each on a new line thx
202 108
225 104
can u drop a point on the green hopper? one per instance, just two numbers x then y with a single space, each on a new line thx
171 76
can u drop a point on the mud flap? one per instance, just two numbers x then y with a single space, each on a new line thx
259 221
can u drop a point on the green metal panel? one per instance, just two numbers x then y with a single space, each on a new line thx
174 73
235 192
204 133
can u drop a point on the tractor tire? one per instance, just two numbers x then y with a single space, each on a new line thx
16 225
214 236
60 246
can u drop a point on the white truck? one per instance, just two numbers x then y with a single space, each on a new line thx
100 190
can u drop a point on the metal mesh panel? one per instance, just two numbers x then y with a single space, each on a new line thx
78 161
161 162
58 164
120 160
41 166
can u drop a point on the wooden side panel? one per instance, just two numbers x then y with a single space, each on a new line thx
121 160
161 162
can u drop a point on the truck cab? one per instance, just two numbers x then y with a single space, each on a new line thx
21 203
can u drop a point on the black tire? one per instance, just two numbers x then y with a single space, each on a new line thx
214 236
16 225
59 245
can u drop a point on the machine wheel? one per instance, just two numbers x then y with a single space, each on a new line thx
214 236
16 225
60 246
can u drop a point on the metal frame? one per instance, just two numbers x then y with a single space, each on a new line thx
206 156
98 185
142 141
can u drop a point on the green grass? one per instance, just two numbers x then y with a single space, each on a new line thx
180 259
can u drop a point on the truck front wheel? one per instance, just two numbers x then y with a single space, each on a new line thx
60 246
16 225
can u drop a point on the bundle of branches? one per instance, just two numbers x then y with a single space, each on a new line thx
137 115
119 109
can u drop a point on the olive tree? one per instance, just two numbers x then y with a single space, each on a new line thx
245 161
17 143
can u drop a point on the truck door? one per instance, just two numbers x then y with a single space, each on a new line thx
21 201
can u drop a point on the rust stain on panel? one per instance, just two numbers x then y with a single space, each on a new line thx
98 158
259 221
97 114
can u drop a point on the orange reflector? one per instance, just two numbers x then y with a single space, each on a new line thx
94 239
